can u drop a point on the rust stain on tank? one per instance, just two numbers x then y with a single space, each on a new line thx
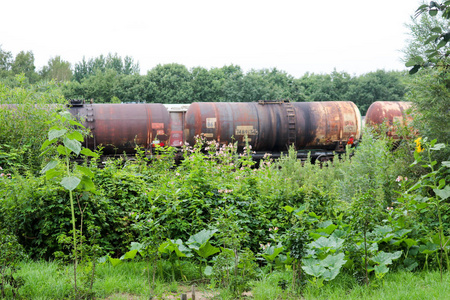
389 114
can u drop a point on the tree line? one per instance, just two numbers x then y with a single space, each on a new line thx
111 78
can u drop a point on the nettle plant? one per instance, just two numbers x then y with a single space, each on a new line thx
65 137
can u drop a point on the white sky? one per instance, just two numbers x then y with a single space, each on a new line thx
355 36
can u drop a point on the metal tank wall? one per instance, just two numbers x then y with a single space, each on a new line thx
273 126
120 127
323 124
388 114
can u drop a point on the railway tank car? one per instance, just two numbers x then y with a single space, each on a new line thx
119 128
388 115
273 126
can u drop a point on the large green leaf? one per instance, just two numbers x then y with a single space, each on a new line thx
327 227
207 250
381 269
443 193
197 240
74 123
312 267
88 152
130 254
56 133
47 143
139 247
114 261
73 145
185 250
63 150
410 263
86 184
384 258
334 261
324 243
428 248
415 69
51 165
227 252
271 252
410 242
103 259
70 183
402 232
382 230
75 135
85 171
208 271
330 274
52 173
171 246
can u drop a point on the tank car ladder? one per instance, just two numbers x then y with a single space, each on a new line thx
292 134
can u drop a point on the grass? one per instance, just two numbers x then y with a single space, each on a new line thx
46 280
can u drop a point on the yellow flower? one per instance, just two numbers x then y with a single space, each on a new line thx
418 145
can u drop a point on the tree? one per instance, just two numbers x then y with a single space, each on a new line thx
133 88
375 86
435 51
5 62
326 87
205 85
430 88
24 63
430 93
420 30
232 76
100 86
172 84
125 66
57 69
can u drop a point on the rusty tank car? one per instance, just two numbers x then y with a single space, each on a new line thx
119 128
274 126
388 116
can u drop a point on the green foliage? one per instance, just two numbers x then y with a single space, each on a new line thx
57 69
11 253
326 221
172 84
101 64
24 112
430 93
374 167
5 62
24 64
436 50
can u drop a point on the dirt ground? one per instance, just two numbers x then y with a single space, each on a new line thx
199 295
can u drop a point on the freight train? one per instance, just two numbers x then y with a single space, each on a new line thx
318 129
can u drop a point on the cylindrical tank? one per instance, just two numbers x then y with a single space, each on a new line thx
120 128
389 114
274 126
